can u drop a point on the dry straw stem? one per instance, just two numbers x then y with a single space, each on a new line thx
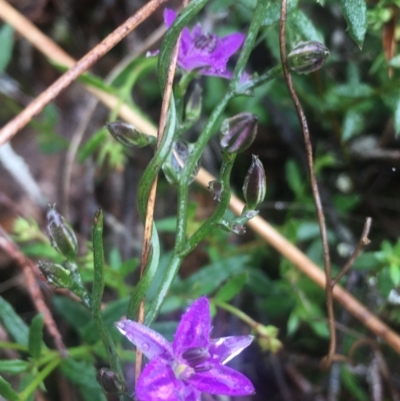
259 225
50 49
153 190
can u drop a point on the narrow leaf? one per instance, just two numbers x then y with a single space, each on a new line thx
13 323
13 366
355 12
83 375
397 117
36 336
98 264
6 46
302 28
7 392
232 287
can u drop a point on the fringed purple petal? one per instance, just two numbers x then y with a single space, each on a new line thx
194 328
151 343
169 17
222 380
226 46
225 348
157 382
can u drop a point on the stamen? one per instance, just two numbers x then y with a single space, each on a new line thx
206 42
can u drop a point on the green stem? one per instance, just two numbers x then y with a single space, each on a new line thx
18 347
223 205
256 22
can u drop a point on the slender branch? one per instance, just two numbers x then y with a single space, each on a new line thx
313 180
37 105
152 196
364 241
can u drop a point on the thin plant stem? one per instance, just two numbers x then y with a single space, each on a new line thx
152 196
37 105
314 185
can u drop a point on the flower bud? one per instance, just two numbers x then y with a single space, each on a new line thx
307 57
128 135
193 105
216 189
61 235
110 381
255 185
56 274
176 160
238 132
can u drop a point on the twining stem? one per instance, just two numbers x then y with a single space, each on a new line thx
314 185
234 90
152 196
220 210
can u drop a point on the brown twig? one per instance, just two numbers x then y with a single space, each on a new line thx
313 181
364 241
37 105
152 196
28 268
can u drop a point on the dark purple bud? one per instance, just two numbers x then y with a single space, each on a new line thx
196 355
216 189
238 132
56 274
128 135
193 105
175 162
307 57
255 184
110 381
61 235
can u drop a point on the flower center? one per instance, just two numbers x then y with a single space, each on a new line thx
206 42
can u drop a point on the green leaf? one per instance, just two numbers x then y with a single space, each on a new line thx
394 274
6 45
302 28
293 177
397 116
354 385
171 37
273 13
13 323
209 278
92 144
232 287
83 374
14 366
7 392
353 124
355 12
36 336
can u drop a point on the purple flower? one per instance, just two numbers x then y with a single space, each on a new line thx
205 52
192 364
